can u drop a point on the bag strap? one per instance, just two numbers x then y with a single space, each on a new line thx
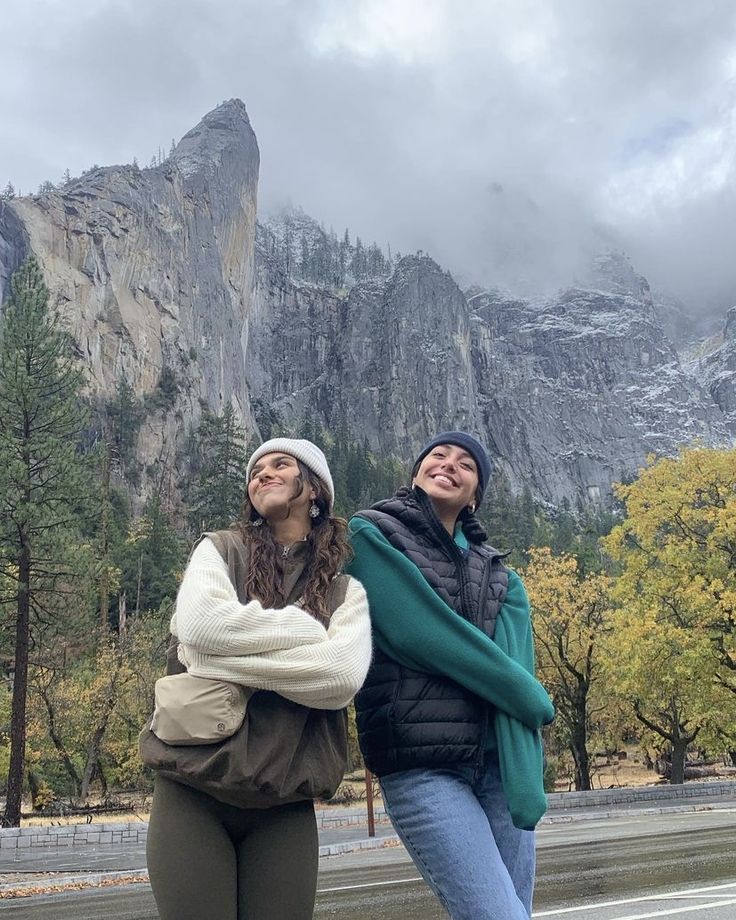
337 591
173 665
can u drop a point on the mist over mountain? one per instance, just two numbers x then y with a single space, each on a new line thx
570 368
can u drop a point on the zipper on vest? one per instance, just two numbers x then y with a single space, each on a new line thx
460 561
467 608
285 550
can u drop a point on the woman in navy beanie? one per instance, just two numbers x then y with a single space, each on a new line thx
450 713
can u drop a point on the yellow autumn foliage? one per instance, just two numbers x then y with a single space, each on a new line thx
570 613
672 652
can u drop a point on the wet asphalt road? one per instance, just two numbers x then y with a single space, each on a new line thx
625 868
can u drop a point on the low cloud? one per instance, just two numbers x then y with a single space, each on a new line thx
507 139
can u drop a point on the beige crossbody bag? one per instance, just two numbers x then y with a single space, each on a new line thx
197 710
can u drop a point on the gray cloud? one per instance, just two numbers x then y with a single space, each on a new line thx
508 139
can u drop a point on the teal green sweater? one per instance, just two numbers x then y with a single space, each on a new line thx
414 626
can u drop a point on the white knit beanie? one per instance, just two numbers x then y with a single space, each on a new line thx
310 455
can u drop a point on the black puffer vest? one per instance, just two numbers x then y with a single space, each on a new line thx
408 718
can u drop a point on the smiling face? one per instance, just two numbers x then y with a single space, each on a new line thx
449 476
277 488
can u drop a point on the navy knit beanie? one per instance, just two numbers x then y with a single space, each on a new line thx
468 443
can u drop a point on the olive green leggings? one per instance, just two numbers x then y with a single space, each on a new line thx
211 861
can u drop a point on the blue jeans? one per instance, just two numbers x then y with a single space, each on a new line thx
456 826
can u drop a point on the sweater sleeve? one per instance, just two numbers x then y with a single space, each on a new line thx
324 675
413 625
520 753
210 618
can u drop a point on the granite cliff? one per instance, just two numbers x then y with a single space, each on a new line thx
152 270
570 394
165 271
714 363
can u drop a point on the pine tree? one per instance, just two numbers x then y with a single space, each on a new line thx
43 480
125 414
150 560
309 428
305 258
358 262
526 519
8 193
497 513
219 493
357 476
286 258
343 256
375 261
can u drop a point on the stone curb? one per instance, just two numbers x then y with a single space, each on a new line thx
139 876
75 835
58 883
596 815
353 846
622 795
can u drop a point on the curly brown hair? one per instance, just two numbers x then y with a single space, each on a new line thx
328 551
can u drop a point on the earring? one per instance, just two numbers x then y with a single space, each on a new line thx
257 522
471 507
314 510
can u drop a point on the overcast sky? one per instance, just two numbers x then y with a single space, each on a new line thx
507 138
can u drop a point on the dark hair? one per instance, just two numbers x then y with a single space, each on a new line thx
478 491
328 551
472 527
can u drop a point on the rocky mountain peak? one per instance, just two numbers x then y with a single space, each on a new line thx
613 272
729 330
223 134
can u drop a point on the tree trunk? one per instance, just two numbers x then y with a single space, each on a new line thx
59 743
679 749
95 742
582 771
122 615
34 785
732 755
579 751
20 691
104 544
90 768
103 780
138 586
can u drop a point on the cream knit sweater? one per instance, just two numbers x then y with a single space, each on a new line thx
285 650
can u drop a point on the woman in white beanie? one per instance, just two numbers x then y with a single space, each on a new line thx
261 605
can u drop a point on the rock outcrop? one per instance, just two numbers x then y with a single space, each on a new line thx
581 389
717 370
391 361
570 394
